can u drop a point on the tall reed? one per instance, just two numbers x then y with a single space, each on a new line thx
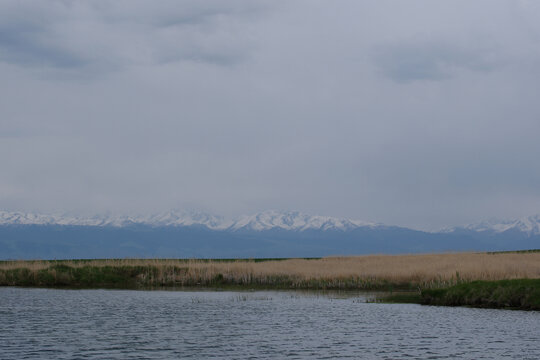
354 272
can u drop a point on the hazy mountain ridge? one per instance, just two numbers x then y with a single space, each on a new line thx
295 221
267 220
267 234
262 221
171 218
529 225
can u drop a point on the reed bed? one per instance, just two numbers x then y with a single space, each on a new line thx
354 272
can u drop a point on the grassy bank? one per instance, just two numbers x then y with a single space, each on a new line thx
521 294
374 272
190 275
497 280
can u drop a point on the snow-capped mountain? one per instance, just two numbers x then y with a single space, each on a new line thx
185 218
20 218
266 220
296 221
262 221
269 234
529 225
171 218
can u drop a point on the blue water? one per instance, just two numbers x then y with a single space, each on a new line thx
113 324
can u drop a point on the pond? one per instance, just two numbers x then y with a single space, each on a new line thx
123 324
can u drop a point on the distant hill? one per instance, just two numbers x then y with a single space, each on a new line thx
266 234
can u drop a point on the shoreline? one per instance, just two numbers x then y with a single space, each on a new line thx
503 294
515 294
500 280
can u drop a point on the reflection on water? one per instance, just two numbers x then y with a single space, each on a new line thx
114 324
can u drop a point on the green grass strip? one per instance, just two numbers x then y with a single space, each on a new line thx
511 294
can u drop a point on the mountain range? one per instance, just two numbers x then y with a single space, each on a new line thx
266 220
266 234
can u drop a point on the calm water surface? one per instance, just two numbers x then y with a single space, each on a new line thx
114 324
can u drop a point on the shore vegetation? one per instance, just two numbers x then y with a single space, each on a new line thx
371 272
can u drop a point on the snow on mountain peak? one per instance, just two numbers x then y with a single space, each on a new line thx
294 220
529 225
185 218
265 220
20 218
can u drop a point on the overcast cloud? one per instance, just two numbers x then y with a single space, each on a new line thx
415 113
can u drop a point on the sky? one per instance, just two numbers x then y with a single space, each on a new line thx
423 114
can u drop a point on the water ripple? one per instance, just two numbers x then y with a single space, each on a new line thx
108 324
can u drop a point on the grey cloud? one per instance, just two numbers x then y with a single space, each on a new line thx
106 36
435 60
169 13
27 48
240 106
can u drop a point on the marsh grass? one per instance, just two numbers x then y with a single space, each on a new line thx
373 272
400 298
523 294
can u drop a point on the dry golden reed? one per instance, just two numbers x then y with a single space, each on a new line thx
425 270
